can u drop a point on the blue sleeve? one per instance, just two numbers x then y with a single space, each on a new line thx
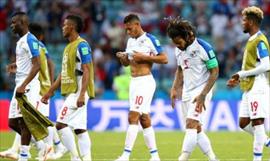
85 52
33 45
156 43
41 45
208 49
262 49
46 52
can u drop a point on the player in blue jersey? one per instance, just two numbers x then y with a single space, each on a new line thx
194 78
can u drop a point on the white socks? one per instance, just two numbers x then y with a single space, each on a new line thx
249 129
131 136
258 143
40 144
205 145
49 138
190 141
84 144
24 151
150 140
69 140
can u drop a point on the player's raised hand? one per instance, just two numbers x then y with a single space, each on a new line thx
80 101
233 81
199 100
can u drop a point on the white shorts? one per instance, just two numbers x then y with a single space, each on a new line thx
32 95
255 103
70 114
189 108
141 93
43 108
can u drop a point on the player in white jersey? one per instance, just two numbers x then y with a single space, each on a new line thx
45 73
194 78
142 51
27 67
254 80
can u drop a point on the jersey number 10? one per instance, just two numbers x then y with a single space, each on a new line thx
139 100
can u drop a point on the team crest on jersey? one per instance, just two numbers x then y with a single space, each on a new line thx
141 42
193 53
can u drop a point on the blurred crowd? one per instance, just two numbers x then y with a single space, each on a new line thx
217 21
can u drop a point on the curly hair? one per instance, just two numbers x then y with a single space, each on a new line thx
253 13
179 27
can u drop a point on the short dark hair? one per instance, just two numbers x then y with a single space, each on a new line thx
179 27
77 20
19 13
22 15
131 17
36 29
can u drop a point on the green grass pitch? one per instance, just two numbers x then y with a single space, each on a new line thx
107 146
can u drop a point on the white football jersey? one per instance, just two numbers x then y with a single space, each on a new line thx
146 43
26 48
195 62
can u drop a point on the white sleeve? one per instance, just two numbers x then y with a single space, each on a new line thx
127 47
261 68
176 53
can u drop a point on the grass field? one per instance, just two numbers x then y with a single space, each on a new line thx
107 146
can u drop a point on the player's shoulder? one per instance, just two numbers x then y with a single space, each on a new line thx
31 41
204 46
152 39
31 37
84 44
203 43
84 48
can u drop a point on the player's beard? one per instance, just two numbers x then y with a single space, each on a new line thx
66 35
245 31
